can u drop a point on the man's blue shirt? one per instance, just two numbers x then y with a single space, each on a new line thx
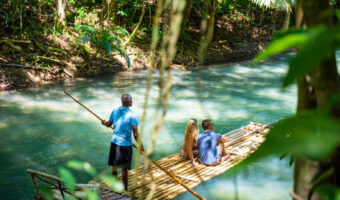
122 118
207 145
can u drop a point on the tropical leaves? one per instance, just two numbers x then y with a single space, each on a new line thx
102 39
281 4
69 180
304 134
312 134
314 44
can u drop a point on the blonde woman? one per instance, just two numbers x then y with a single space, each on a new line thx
189 150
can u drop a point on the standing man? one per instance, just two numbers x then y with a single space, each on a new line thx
124 123
211 145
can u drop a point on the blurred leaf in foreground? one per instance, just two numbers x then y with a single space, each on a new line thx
314 45
328 192
46 192
313 134
91 195
320 45
82 166
290 39
68 179
112 182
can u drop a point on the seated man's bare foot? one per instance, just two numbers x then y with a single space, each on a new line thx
224 158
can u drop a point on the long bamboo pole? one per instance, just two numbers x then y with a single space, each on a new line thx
142 152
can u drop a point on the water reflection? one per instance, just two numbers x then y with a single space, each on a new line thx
43 129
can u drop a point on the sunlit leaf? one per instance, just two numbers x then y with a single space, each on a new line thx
301 135
283 43
68 179
337 12
281 4
92 195
122 31
283 33
320 45
112 182
82 166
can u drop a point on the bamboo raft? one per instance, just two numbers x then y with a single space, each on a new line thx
242 142
173 175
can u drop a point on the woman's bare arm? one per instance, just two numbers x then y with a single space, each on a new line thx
189 146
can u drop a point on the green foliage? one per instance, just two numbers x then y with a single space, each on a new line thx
281 4
46 192
102 39
122 13
92 195
82 166
328 192
112 182
121 31
301 135
321 45
314 44
82 3
68 179
230 6
282 41
86 33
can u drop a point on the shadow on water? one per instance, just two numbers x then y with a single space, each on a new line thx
42 128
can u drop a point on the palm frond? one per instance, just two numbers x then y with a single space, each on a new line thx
280 4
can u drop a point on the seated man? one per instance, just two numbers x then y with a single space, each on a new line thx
211 145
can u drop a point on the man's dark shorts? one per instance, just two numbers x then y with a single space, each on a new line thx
120 156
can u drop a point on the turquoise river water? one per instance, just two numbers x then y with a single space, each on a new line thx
42 129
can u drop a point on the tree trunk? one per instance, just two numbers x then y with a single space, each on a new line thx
208 27
299 14
138 25
304 173
186 15
166 18
110 9
306 94
211 22
61 12
286 21
314 91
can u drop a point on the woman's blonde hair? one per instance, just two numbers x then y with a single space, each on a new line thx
192 128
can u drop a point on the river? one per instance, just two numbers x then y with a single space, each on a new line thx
42 129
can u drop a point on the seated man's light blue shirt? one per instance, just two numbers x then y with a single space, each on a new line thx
122 119
207 146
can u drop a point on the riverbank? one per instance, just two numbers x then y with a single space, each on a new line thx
48 57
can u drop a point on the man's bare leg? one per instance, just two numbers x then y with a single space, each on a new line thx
125 177
225 156
114 171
